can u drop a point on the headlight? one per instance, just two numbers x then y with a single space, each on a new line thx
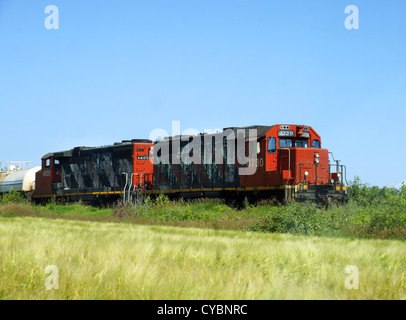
317 155
306 173
316 160
332 181
339 174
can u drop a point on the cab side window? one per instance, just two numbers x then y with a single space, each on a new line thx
56 163
316 144
271 145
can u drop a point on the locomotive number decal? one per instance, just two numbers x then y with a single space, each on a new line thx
46 173
256 162
142 157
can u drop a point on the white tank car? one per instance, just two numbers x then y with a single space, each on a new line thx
18 179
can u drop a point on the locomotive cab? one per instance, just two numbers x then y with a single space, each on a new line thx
49 175
295 158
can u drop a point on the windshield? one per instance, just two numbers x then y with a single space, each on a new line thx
288 143
301 144
285 143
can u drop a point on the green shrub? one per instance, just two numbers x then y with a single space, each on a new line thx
161 200
371 212
12 196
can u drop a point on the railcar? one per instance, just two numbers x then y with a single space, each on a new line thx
17 176
280 161
95 174
288 163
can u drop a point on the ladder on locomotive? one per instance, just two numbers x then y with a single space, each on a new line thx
134 193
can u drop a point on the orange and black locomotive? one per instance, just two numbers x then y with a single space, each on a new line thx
280 161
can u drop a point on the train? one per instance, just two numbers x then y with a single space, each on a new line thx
282 162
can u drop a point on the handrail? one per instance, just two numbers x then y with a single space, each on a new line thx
125 186
179 175
130 186
287 180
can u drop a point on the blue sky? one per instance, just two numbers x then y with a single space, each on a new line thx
117 70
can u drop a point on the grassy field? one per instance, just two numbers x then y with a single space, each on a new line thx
107 260
205 249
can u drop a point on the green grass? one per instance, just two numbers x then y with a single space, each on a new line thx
99 260
77 209
371 213
297 251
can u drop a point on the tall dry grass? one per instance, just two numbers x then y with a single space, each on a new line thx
126 261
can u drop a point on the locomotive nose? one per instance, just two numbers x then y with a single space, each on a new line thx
312 166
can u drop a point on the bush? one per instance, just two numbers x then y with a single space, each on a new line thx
161 200
295 218
12 196
372 212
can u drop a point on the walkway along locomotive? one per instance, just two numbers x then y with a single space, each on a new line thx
283 161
